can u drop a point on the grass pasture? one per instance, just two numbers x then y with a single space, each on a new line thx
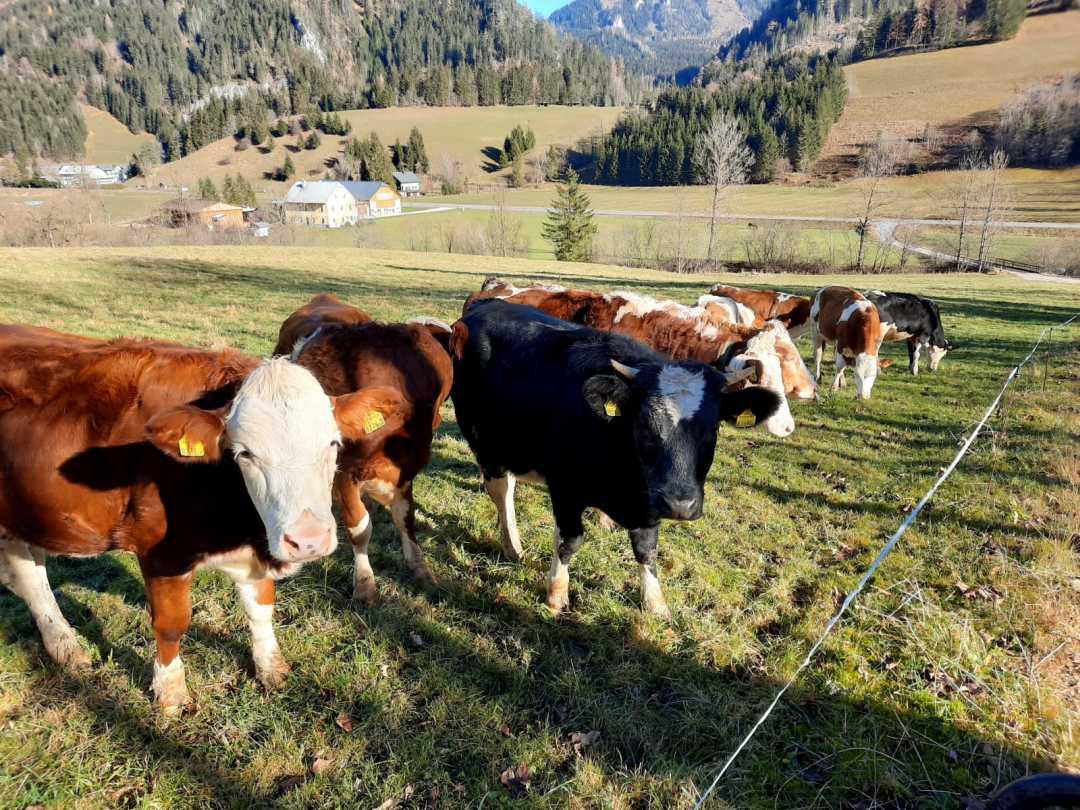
107 140
955 672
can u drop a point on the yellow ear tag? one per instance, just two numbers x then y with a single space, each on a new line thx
746 419
191 449
611 409
373 421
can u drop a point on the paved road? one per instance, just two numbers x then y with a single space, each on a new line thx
538 209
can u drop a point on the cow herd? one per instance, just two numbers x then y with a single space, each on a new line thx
191 458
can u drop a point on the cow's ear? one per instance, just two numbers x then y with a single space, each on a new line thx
370 413
748 407
459 336
188 434
607 395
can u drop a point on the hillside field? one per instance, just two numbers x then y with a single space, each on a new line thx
462 133
902 94
109 141
955 672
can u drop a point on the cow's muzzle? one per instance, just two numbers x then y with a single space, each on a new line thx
307 539
681 508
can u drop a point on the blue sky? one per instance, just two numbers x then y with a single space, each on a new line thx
544 7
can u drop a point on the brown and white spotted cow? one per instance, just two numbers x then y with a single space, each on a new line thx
679 331
186 458
845 317
346 350
793 311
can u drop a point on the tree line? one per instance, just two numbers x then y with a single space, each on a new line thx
190 74
784 110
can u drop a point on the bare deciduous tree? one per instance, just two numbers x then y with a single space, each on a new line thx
503 234
723 159
994 201
877 161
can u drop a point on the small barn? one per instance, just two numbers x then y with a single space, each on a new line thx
373 198
217 216
408 184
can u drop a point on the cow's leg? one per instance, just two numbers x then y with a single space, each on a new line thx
22 570
403 513
652 598
838 381
501 492
358 524
170 614
257 598
914 344
569 535
819 352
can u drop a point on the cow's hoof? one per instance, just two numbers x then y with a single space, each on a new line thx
659 609
273 675
171 695
512 553
425 579
68 654
558 600
365 593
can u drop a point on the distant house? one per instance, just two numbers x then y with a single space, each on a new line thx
217 216
326 203
74 174
374 198
407 183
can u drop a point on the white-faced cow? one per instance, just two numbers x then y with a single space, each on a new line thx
914 319
346 351
677 331
185 458
845 317
601 419
793 311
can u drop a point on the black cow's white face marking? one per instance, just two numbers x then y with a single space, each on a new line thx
680 392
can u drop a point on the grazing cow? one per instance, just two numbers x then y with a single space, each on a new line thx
346 350
792 311
602 420
721 310
915 319
678 331
845 317
184 457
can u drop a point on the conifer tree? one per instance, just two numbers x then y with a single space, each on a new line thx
417 155
569 225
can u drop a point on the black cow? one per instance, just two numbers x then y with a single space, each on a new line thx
601 419
915 319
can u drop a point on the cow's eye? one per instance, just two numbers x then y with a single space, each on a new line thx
245 455
336 444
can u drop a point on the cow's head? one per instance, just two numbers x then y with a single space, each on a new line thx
798 381
673 411
866 371
937 352
762 358
284 433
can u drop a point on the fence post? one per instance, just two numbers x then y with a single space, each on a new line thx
1046 358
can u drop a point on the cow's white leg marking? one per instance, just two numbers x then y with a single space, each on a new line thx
819 351
403 514
170 686
651 595
363 576
558 581
270 666
915 358
838 382
501 492
22 569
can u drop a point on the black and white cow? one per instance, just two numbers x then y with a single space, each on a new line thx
602 420
915 319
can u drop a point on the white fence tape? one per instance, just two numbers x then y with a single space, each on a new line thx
886 549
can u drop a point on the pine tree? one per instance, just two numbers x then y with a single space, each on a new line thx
227 190
766 148
397 154
313 140
172 146
287 168
417 155
569 225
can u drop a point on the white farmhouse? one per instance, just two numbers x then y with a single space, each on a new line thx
326 203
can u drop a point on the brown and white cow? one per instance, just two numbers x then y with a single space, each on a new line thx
679 331
793 311
346 350
845 317
184 457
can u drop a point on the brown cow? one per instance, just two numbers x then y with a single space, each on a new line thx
681 332
184 457
345 350
845 317
793 311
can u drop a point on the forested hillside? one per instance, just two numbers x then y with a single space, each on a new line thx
786 110
194 70
865 28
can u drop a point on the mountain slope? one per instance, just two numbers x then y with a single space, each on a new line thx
659 35
193 70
